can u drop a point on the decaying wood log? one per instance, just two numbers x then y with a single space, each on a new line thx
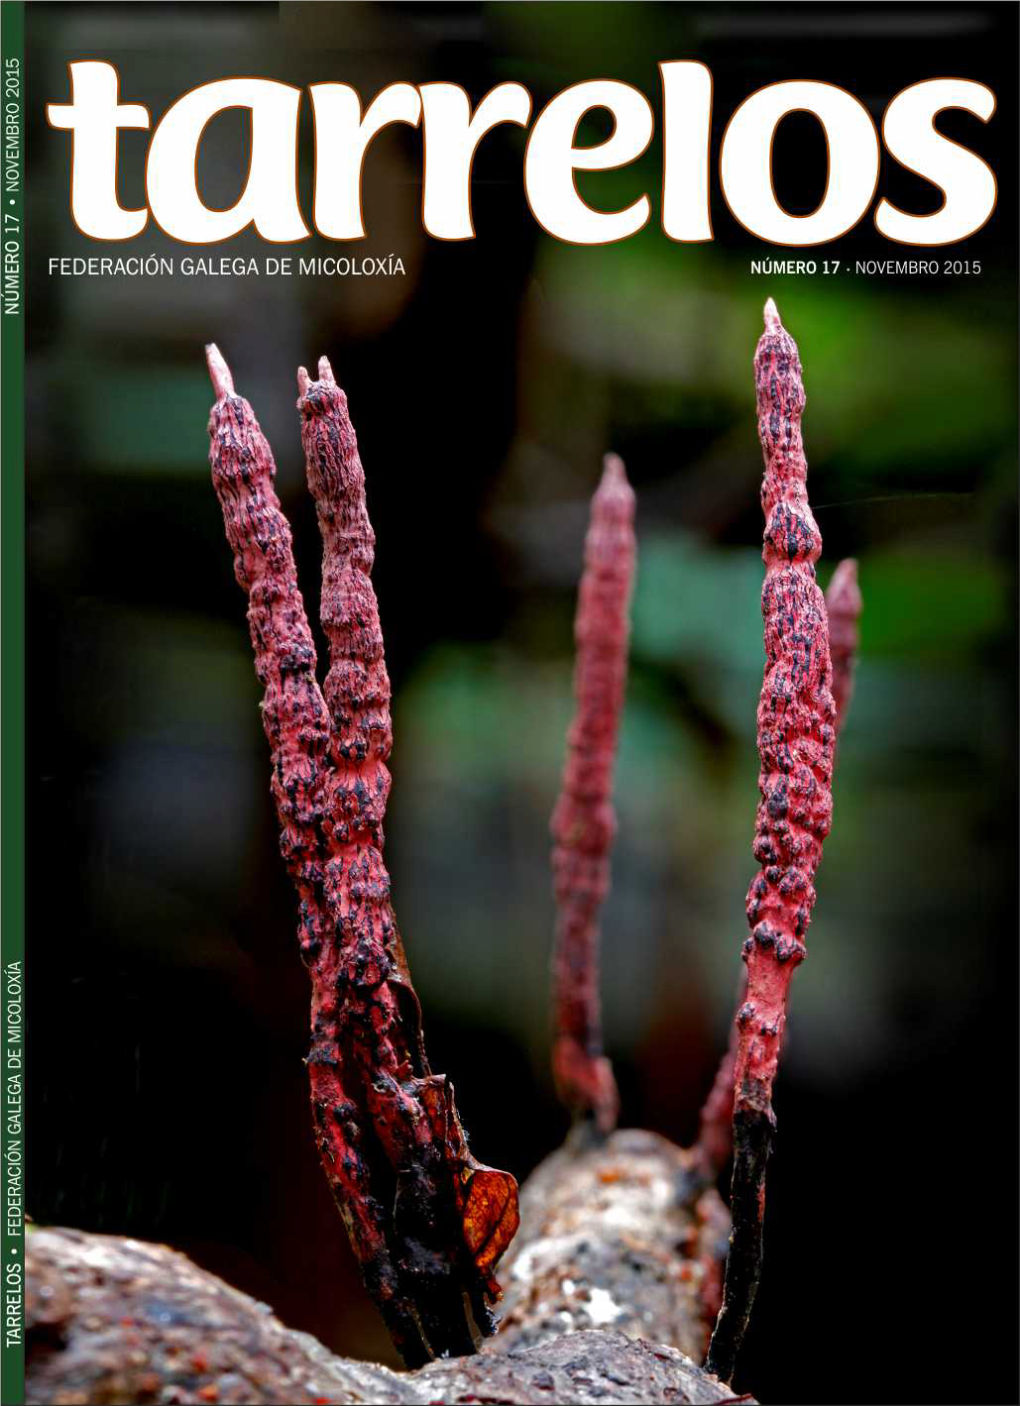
616 1268
620 1234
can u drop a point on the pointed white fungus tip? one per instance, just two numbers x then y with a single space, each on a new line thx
614 470
844 593
219 372
614 484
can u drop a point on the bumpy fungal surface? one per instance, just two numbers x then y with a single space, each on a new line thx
426 1221
843 604
796 736
583 822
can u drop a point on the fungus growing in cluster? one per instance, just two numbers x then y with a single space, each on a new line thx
426 1221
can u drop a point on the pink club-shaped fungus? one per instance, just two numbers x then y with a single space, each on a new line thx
583 822
843 605
796 737
427 1222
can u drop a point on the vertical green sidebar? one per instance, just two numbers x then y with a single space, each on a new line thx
12 697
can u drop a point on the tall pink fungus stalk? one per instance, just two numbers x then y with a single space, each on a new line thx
843 606
796 736
583 822
425 1220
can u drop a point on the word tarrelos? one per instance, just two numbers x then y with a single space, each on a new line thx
452 131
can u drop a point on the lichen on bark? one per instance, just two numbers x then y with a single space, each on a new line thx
111 1320
617 1232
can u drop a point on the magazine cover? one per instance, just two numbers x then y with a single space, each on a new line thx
509 876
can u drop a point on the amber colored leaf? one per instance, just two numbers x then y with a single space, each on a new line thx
490 1214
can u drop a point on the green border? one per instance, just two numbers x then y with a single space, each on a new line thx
12 706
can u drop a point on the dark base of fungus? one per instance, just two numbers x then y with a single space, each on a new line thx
753 1131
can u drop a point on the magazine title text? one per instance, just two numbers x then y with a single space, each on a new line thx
452 130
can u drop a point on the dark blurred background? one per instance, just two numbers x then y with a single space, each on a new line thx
168 1003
